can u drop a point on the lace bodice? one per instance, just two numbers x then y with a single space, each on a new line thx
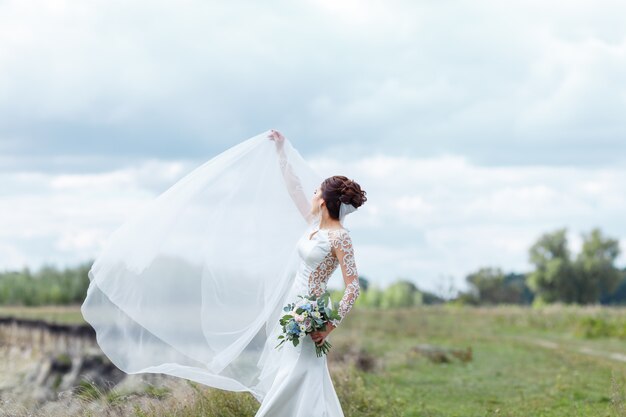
322 250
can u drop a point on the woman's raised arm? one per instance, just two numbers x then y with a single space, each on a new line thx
294 186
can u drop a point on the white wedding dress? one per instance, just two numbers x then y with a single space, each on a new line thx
193 283
302 386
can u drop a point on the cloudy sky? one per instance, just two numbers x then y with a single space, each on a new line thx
474 126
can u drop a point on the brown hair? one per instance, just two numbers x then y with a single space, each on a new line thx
339 189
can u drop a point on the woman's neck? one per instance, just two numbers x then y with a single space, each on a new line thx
328 223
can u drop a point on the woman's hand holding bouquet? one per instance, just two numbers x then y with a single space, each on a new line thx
309 315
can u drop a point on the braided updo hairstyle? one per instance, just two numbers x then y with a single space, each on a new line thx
340 189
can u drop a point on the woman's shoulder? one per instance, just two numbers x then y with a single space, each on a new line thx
339 238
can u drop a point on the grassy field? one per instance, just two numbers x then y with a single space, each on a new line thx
551 361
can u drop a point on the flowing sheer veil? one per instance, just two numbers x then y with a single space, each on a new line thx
193 283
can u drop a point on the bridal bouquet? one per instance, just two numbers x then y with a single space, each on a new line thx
307 315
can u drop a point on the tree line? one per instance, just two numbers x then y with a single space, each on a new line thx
47 286
588 277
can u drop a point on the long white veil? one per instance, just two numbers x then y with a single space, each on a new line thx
192 284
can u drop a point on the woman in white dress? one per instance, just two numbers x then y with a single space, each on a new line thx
193 283
302 386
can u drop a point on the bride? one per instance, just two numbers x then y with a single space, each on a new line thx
193 284
303 386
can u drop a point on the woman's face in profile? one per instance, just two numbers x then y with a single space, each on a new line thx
316 200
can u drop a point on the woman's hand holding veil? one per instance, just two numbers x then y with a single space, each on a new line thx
278 137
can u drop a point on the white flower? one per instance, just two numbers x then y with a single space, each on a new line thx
302 328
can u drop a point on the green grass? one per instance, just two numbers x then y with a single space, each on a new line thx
57 314
509 374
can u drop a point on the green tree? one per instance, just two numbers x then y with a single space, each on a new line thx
619 295
431 298
553 277
399 294
363 283
585 280
595 267
489 285
48 285
371 297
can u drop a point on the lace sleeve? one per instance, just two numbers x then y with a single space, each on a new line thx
294 187
342 244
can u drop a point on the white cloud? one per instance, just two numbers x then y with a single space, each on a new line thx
66 218
514 82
